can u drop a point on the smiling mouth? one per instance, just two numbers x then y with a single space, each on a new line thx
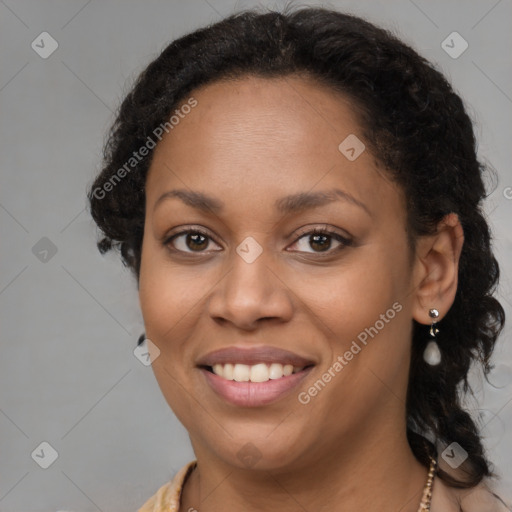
260 372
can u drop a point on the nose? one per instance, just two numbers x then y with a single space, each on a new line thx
250 293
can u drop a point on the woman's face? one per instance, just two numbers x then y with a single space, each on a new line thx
259 290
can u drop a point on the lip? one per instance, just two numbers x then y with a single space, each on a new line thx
253 355
254 394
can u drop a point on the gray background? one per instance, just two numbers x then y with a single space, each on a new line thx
70 320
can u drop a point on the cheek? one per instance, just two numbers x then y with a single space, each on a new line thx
167 298
168 293
174 301
362 312
352 296
374 321
362 308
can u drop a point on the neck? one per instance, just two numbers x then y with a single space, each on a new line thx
376 470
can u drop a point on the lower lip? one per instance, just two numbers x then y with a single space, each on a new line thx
254 394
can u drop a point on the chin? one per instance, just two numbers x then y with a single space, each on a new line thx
260 453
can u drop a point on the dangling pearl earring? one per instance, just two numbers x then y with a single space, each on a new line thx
432 354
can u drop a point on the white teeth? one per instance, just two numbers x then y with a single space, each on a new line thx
218 369
228 371
276 371
260 372
241 372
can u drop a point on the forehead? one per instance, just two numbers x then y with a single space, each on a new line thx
264 137
288 116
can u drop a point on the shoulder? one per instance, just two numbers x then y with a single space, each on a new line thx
477 499
167 498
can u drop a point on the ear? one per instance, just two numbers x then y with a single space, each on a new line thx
436 269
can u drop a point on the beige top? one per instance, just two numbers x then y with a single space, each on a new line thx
444 499
167 498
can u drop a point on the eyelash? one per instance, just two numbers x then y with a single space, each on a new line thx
345 242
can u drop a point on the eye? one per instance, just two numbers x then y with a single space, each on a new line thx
198 241
189 241
320 239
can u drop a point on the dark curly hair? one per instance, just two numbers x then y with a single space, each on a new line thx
413 123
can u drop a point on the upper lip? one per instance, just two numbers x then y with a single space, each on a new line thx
253 355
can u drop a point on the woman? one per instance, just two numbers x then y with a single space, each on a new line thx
298 196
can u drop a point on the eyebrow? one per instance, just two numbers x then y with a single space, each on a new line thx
293 203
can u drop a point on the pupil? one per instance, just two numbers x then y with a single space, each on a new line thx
323 246
194 238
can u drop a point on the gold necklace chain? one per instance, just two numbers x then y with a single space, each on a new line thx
427 491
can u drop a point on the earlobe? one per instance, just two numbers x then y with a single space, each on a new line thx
436 269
